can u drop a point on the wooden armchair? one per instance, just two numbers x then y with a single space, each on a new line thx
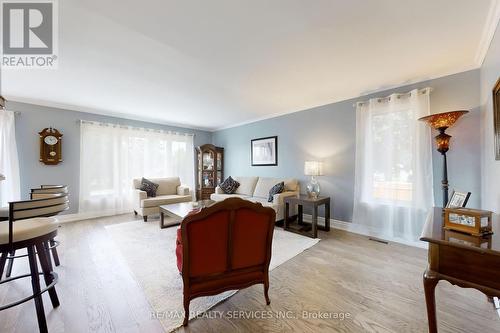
226 246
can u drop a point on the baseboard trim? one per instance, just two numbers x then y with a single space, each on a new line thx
75 217
365 231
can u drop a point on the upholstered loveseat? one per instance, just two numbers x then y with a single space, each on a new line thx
256 189
169 191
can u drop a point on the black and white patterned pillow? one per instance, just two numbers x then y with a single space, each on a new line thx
278 188
149 187
229 186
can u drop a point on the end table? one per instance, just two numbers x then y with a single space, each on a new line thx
314 203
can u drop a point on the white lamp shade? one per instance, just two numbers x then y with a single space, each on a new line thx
2 177
313 168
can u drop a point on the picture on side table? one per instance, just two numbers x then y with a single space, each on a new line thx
458 199
265 151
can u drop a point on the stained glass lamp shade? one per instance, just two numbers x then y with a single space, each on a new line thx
445 119
440 122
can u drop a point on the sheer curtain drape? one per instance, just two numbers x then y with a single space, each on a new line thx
112 156
9 160
393 181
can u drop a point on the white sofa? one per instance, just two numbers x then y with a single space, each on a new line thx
256 189
169 191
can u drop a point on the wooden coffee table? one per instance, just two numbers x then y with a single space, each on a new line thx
179 211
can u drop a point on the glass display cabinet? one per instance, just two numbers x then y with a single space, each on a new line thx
210 171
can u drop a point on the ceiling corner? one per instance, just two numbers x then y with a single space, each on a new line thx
489 29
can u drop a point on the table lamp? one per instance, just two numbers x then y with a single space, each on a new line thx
313 169
441 122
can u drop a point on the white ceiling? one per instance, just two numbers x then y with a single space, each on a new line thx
213 64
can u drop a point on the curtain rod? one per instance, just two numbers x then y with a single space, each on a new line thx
3 102
398 95
82 121
17 113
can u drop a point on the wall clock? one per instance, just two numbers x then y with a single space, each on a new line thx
50 146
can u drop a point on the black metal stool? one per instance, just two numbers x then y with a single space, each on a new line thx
27 230
35 246
47 192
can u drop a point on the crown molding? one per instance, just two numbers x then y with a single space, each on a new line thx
490 26
100 112
353 98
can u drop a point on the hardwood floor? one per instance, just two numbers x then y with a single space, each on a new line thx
379 286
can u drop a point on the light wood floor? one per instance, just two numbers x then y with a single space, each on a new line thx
378 286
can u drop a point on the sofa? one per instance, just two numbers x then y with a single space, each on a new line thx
256 189
169 191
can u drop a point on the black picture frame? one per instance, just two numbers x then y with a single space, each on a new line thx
464 195
496 118
274 161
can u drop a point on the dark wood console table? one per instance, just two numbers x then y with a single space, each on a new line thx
463 260
314 203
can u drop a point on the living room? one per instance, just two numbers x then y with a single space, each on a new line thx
250 166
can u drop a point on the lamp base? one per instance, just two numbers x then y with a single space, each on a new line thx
313 189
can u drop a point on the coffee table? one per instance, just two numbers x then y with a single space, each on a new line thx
179 211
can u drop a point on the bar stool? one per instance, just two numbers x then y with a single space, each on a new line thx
47 191
36 196
27 230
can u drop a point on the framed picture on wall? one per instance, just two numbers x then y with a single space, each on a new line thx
496 118
265 151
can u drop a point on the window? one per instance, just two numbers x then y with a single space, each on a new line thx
392 138
393 174
9 160
112 156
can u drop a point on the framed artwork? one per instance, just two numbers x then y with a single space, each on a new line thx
496 118
265 151
458 199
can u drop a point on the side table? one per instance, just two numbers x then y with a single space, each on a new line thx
314 203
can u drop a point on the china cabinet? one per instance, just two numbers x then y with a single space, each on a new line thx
210 170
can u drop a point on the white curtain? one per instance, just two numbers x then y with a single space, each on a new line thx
111 156
9 160
393 177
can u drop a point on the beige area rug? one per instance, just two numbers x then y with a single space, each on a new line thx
150 253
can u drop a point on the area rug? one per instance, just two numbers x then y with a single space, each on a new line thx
150 253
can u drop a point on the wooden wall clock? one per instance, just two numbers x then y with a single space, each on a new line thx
50 146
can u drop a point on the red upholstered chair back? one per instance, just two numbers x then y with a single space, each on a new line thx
229 236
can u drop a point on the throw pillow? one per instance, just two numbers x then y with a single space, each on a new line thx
229 185
278 188
149 187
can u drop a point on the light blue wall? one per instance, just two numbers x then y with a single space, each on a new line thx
328 133
34 118
490 73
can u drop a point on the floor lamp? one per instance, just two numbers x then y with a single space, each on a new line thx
441 122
